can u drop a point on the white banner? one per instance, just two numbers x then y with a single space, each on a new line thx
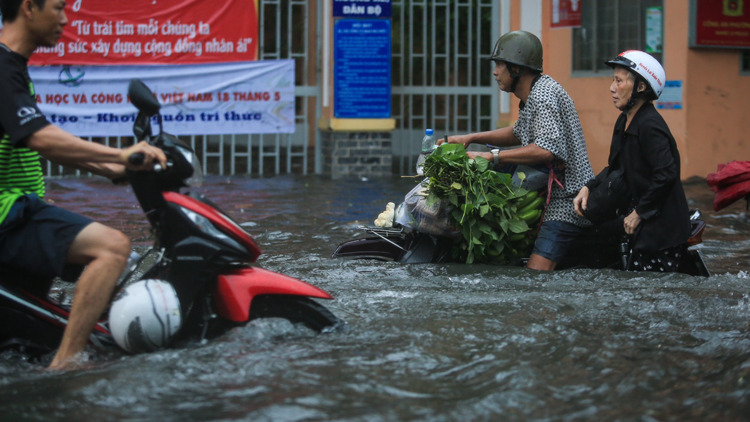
206 99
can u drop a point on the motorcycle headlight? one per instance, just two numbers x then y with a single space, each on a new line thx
205 225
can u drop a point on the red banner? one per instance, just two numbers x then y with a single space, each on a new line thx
722 23
566 13
155 32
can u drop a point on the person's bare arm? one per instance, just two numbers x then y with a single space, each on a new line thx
61 147
502 137
528 155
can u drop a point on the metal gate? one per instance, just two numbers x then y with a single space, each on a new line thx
287 30
439 81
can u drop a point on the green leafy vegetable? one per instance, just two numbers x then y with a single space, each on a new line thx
497 220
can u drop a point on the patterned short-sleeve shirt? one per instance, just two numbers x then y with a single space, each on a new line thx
549 120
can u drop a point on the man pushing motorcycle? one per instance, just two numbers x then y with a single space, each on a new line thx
548 132
37 238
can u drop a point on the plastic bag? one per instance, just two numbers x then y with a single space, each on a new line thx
415 214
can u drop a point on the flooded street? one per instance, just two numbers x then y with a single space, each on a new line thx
432 342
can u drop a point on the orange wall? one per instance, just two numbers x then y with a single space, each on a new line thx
709 129
718 106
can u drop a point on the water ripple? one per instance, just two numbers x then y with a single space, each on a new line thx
425 342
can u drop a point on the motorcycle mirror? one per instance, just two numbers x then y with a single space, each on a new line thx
142 126
142 97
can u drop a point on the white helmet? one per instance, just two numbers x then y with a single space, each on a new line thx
644 65
145 315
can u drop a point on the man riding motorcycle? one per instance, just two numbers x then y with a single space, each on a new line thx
37 238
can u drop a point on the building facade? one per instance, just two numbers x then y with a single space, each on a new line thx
708 86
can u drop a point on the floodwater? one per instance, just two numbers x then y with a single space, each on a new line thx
431 342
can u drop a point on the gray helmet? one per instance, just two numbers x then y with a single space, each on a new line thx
520 48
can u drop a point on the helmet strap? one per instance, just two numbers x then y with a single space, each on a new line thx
515 75
635 95
631 101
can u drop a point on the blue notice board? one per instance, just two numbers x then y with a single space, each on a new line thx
362 68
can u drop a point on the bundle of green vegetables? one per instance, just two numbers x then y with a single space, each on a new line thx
497 220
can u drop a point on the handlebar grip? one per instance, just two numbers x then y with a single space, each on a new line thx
136 158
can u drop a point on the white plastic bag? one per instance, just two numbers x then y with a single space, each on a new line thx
415 214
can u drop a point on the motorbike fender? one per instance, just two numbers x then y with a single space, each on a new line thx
235 292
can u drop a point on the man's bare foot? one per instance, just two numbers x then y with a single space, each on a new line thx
77 361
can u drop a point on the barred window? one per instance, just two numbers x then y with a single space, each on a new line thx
609 27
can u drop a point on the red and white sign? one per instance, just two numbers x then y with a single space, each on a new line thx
106 32
566 13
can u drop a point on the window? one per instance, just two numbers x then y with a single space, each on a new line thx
609 27
745 62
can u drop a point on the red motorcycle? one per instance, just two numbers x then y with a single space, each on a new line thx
198 280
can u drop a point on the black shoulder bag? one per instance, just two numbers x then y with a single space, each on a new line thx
607 197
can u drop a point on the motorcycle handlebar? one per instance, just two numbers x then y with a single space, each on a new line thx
137 159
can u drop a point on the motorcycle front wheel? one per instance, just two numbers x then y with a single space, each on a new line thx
295 309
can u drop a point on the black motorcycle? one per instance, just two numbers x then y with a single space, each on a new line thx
601 246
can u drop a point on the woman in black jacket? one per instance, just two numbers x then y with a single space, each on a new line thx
644 147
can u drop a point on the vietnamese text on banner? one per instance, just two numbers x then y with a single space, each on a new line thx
155 32
205 99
